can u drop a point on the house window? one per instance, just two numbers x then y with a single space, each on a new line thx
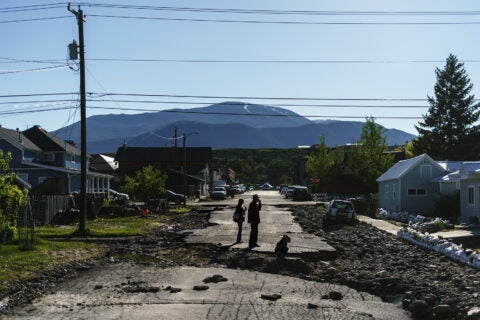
471 195
416 192
72 159
386 191
393 192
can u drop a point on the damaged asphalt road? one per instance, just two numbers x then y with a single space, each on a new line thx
155 274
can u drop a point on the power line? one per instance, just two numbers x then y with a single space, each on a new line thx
279 12
282 22
33 7
367 61
94 95
34 19
33 70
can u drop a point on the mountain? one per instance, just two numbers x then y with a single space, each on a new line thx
223 125
113 126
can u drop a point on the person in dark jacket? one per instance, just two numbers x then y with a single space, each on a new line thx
254 219
239 217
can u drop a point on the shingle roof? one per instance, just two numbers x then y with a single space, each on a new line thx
19 138
49 142
471 166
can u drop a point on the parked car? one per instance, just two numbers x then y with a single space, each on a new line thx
219 193
340 210
267 186
289 191
301 194
173 197
118 195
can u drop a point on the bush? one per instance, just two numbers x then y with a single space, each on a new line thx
448 206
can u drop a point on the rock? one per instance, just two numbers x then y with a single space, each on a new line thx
335 295
418 307
474 313
442 311
215 278
201 288
312 306
98 286
271 297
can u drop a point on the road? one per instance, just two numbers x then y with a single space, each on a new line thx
139 291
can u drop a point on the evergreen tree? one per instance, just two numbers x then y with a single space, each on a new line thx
448 130
368 160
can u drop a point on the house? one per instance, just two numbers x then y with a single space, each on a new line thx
407 185
47 163
102 163
470 191
193 161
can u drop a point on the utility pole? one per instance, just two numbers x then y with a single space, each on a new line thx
185 169
83 122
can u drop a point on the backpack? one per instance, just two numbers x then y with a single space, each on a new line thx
237 215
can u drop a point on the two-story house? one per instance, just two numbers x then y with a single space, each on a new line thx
49 164
193 161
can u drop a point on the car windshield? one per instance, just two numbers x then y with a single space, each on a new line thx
346 206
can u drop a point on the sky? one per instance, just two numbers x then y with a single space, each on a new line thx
343 59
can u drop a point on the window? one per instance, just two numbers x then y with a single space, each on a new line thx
471 195
417 192
72 158
386 191
393 191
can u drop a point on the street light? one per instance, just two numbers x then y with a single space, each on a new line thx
185 189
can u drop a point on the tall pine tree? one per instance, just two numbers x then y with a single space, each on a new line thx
448 130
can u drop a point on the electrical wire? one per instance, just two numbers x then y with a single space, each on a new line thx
33 70
282 22
34 19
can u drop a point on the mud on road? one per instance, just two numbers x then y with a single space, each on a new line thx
366 259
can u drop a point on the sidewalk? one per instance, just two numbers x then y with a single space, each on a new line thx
392 228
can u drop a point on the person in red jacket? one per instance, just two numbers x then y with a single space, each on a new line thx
254 219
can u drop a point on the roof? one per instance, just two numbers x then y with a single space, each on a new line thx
451 177
171 154
49 142
64 170
401 168
19 139
471 167
450 166
103 160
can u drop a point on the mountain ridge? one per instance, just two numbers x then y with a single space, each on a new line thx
222 125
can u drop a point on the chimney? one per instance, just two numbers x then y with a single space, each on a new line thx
19 136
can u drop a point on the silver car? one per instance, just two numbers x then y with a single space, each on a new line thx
340 210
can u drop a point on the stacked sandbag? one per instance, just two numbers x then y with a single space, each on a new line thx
438 244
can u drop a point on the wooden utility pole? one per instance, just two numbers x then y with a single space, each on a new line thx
83 123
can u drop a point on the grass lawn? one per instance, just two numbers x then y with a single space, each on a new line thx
21 265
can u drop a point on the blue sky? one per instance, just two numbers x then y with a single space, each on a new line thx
398 60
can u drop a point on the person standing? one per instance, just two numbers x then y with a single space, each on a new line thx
254 219
239 217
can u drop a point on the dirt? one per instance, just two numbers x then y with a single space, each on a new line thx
366 259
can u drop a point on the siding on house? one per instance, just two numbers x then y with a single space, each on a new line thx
470 191
407 185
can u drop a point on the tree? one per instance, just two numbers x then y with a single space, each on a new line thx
12 198
147 183
448 130
367 159
320 163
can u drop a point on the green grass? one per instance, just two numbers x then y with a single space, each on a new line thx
21 265
103 227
